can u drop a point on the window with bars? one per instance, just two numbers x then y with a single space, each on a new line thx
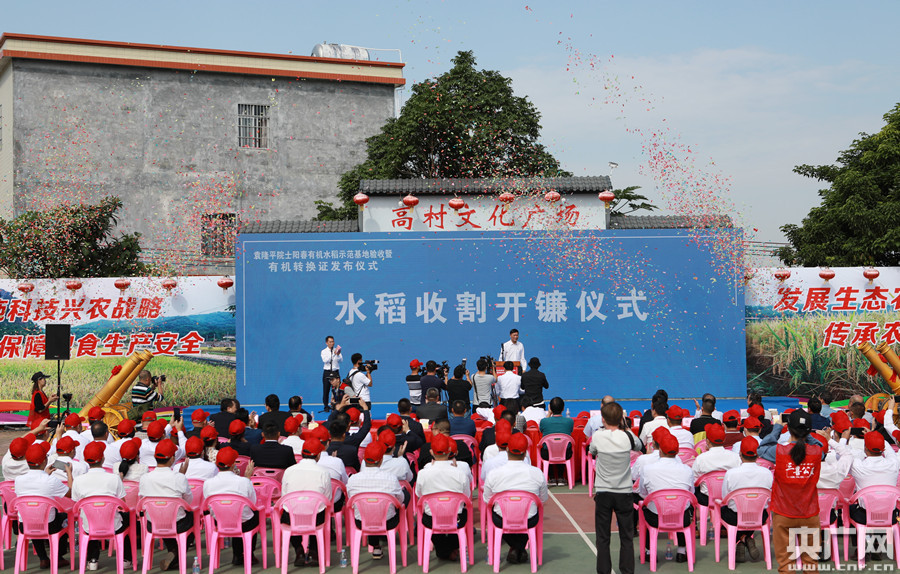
253 126
218 235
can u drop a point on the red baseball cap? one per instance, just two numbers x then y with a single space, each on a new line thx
353 413
860 424
503 425
165 449
291 425
199 415
126 426
130 449
518 444
749 446
668 444
209 433
715 433
18 446
93 452
36 454
415 364
874 441
96 414
66 444
321 433
226 457
72 420
674 413
658 433
156 430
312 447
440 444
730 416
756 411
237 428
896 435
388 438
148 416
394 421
879 416
752 423
374 452
498 412
193 446
36 423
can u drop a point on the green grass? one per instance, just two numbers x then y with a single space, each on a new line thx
189 383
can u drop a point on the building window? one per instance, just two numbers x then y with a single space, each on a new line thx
218 235
253 126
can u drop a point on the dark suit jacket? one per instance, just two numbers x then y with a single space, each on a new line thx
221 420
348 449
242 448
415 427
533 384
270 454
277 417
432 411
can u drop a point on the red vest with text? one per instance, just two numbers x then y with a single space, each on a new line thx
794 489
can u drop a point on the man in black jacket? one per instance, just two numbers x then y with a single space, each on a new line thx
533 384
343 446
404 409
270 454
272 414
432 410
222 419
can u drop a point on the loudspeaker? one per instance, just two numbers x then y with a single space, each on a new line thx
56 342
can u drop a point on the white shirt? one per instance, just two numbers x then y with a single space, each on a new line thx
736 447
399 467
164 482
875 470
111 456
373 479
514 352
12 469
715 414
834 469
486 412
516 475
666 473
84 438
36 482
295 442
642 461
148 450
747 475
594 424
227 482
491 452
331 361
199 469
78 467
306 475
135 472
76 436
336 470
509 385
535 414
442 476
360 383
684 436
716 458
651 426
97 482
366 441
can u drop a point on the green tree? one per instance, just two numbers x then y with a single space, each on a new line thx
627 201
858 222
69 241
464 123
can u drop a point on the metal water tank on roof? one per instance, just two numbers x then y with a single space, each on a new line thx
341 51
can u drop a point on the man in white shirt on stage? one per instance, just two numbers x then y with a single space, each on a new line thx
331 364
514 351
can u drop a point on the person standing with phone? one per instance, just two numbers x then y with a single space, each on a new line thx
331 364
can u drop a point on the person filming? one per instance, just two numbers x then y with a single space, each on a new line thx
361 378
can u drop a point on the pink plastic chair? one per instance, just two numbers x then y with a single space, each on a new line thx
713 481
634 456
589 471
687 455
225 521
750 502
373 507
341 517
556 444
880 503
515 506
276 473
241 465
298 457
302 507
847 488
267 491
34 517
472 444
8 495
162 513
702 446
830 498
410 510
444 508
100 513
670 506
766 464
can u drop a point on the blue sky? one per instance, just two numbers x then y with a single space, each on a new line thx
752 88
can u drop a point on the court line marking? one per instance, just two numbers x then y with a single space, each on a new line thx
575 524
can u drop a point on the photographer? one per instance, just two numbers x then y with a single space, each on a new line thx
459 386
483 381
361 381
431 379
145 392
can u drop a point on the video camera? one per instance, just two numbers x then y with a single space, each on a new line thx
371 365
158 380
443 369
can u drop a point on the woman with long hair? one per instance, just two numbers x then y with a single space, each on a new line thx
39 409
795 500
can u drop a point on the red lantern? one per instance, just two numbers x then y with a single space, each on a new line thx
456 203
782 274
507 197
122 284
607 197
871 274
410 200
360 199
826 274
169 284
73 285
26 288
225 283
552 196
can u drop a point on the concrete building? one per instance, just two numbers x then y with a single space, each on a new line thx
196 142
